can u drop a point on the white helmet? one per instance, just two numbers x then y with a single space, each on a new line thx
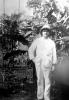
46 26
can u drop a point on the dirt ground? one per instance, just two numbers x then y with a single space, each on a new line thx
57 92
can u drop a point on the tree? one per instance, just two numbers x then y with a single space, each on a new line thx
34 4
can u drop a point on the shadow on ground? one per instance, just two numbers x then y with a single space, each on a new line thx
58 92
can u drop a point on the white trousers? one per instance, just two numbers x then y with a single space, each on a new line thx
43 80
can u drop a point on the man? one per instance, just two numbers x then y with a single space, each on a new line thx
43 53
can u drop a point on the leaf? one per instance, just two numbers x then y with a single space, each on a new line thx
13 53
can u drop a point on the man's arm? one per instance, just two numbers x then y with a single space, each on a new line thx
54 57
32 50
54 54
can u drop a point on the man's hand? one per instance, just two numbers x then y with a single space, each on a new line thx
33 60
53 67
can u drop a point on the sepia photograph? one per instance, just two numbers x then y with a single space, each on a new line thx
34 49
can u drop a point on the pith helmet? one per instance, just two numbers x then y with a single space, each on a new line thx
46 27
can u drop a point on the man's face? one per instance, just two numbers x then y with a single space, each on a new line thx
45 34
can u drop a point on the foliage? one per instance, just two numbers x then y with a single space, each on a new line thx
15 35
34 3
10 34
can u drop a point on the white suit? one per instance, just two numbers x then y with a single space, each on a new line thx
43 53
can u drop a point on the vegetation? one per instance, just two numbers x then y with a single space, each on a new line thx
16 35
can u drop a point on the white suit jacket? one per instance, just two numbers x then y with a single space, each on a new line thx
44 49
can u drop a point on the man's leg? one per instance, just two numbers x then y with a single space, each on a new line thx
40 82
47 84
